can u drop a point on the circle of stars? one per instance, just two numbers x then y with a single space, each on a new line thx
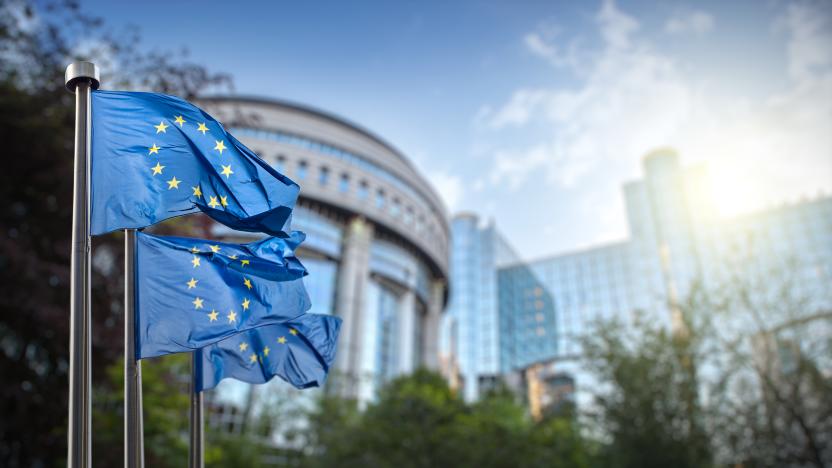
174 183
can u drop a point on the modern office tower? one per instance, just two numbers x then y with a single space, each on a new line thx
377 235
676 239
471 330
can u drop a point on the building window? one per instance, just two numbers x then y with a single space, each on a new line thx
302 170
380 199
363 190
323 176
344 183
280 163
395 208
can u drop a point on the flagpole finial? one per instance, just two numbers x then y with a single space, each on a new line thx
78 71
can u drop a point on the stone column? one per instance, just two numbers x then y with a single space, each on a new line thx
405 332
430 329
353 276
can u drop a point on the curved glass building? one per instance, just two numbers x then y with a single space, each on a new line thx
377 234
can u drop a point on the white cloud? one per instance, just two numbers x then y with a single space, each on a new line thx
631 98
543 43
616 27
690 22
809 49
524 103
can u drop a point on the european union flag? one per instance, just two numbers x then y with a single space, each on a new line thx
299 351
156 156
191 293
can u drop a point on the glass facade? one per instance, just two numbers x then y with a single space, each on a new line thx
527 325
391 325
471 329
395 272
330 150
676 239
321 284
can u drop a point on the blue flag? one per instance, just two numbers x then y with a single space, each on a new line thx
156 156
191 293
299 351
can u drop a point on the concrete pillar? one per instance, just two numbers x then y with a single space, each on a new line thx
353 276
430 328
405 333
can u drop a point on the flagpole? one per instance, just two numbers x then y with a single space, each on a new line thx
196 456
80 78
133 421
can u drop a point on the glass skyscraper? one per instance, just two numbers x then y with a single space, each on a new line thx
470 351
675 239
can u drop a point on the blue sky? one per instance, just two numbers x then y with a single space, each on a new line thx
535 113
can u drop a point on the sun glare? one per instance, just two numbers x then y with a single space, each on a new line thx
733 192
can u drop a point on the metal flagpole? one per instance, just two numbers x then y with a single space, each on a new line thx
197 421
133 425
80 78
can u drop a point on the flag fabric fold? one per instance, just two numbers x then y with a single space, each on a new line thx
300 351
156 156
191 293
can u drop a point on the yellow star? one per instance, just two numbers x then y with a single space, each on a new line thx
202 128
293 331
194 249
233 257
197 191
192 283
226 171
220 146
154 149
244 262
282 340
224 200
243 346
173 183
246 302
266 351
247 282
232 316
195 261
197 303
161 128
214 248
252 358
179 120
213 316
213 203
157 169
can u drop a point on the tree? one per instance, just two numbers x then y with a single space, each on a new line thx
648 406
746 381
165 390
772 395
418 421
36 127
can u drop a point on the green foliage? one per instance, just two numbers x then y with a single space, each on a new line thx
37 130
165 390
417 421
165 396
649 408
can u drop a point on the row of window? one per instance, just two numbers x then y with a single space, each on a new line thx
330 150
381 200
